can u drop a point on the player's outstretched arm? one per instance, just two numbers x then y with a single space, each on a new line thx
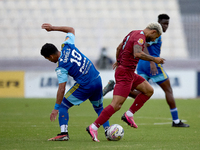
65 29
138 53
60 95
153 68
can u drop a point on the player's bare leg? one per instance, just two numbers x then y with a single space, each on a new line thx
168 93
166 86
134 93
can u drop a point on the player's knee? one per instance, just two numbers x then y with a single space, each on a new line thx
168 90
117 102
150 92
116 106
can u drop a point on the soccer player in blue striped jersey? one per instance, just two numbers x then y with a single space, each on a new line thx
88 85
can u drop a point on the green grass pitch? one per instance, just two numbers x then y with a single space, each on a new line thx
25 125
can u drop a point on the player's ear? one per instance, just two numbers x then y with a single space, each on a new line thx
51 56
154 31
151 32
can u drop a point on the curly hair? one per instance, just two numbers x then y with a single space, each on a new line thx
163 16
155 26
48 49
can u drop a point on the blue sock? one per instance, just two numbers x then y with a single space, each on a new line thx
63 112
63 115
98 111
174 113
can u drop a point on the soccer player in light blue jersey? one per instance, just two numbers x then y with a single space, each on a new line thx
71 62
155 72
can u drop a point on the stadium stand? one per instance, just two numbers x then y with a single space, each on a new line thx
98 24
190 14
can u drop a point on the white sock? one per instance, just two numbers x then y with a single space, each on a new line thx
129 113
94 127
176 121
64 128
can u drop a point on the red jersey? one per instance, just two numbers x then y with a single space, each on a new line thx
126 57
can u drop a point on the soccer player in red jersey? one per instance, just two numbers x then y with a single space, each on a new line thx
128 53
155 72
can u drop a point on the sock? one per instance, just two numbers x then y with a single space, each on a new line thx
94 127
138 103
104 116
176 121
63 116
98 110
129 113
174 113
64 128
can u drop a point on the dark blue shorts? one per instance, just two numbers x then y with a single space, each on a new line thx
92 91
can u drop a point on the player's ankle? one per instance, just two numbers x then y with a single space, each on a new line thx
94 127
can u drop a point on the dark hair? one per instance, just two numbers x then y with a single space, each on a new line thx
48 49
163 16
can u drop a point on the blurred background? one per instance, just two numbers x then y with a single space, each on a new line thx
100 26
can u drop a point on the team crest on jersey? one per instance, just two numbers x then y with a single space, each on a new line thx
140 41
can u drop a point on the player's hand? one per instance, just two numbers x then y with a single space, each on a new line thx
115 65
47 27
159 60
53 115
153 68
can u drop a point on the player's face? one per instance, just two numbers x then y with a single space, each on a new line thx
52 58
164 23
152 36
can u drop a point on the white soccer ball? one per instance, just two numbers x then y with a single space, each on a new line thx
115 132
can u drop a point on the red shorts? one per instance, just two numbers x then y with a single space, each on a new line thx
126 80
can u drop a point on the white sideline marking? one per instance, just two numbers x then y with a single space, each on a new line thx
160 123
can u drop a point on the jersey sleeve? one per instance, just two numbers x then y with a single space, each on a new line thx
62 74
69 39
140 40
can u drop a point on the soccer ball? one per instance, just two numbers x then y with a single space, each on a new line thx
115 132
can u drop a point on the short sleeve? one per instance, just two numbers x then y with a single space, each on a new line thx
140 39
62 74
69 39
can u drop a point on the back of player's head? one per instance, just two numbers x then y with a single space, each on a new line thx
48 49
163 16
155 26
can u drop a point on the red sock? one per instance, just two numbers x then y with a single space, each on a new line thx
138 103
104 116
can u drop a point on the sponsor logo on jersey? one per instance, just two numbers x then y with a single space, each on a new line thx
58 72
62 45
